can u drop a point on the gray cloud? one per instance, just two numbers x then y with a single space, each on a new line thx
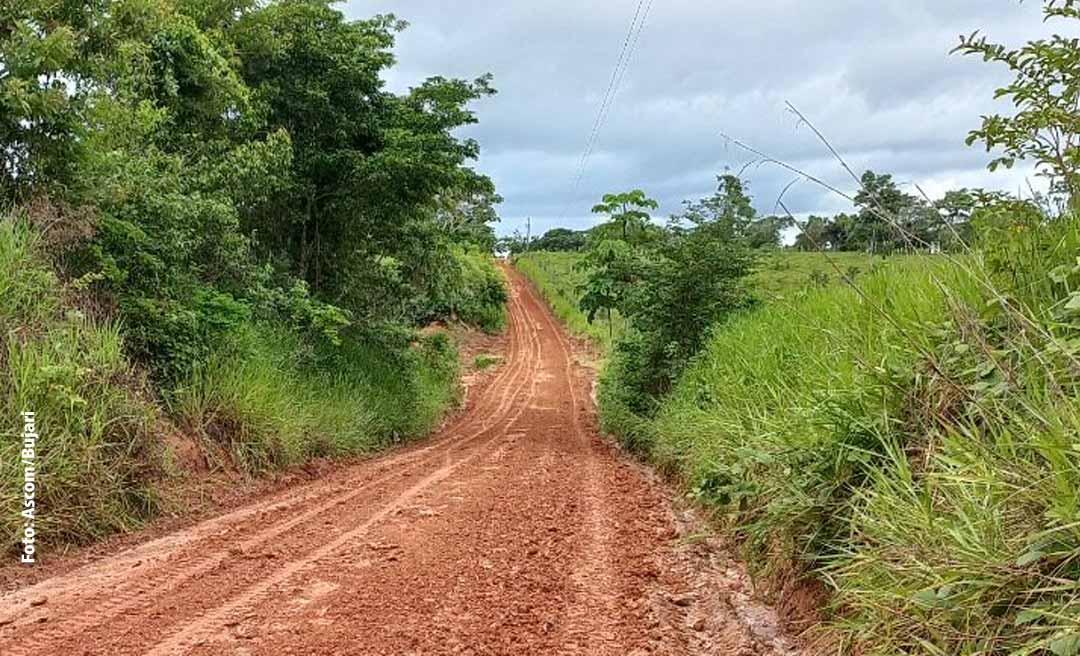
876 78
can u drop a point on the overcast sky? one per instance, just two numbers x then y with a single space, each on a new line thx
875 77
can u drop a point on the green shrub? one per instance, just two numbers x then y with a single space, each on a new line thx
175 263
687 285
485 360
558 280
482 293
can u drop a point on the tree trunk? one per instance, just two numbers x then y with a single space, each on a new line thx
303 240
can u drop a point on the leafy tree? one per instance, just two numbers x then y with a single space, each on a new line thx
880 203
732 205
1046 94
890 219
729 204
464 213
315 76
46 50
956 209
814 234
765 232
377 184
562 239
613 268
956 206
944 223
242 162
156 164
628 211
840 230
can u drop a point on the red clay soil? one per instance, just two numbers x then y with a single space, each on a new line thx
517 529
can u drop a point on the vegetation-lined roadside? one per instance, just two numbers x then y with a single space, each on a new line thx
559 277
909 441
227 245
516 529
900 431
221 238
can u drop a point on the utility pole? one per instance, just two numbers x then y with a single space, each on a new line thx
528 232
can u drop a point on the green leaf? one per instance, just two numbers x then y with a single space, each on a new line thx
1068 645
927 598
1029 557
1074 302
1027 616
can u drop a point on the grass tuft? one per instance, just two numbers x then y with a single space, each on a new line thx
485 360
271 410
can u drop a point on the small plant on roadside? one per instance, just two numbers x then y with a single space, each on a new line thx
485 360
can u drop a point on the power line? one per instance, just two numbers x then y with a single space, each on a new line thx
633 35
621 66
616 76
606 107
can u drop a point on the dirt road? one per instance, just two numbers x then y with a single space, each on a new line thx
515 530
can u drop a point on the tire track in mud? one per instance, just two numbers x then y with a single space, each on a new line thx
201 630
77 609
593 577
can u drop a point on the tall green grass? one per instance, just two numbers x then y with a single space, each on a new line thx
270 409
95 455
914 442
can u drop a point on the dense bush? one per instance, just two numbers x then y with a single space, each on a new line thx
672 285
473 290
690 283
